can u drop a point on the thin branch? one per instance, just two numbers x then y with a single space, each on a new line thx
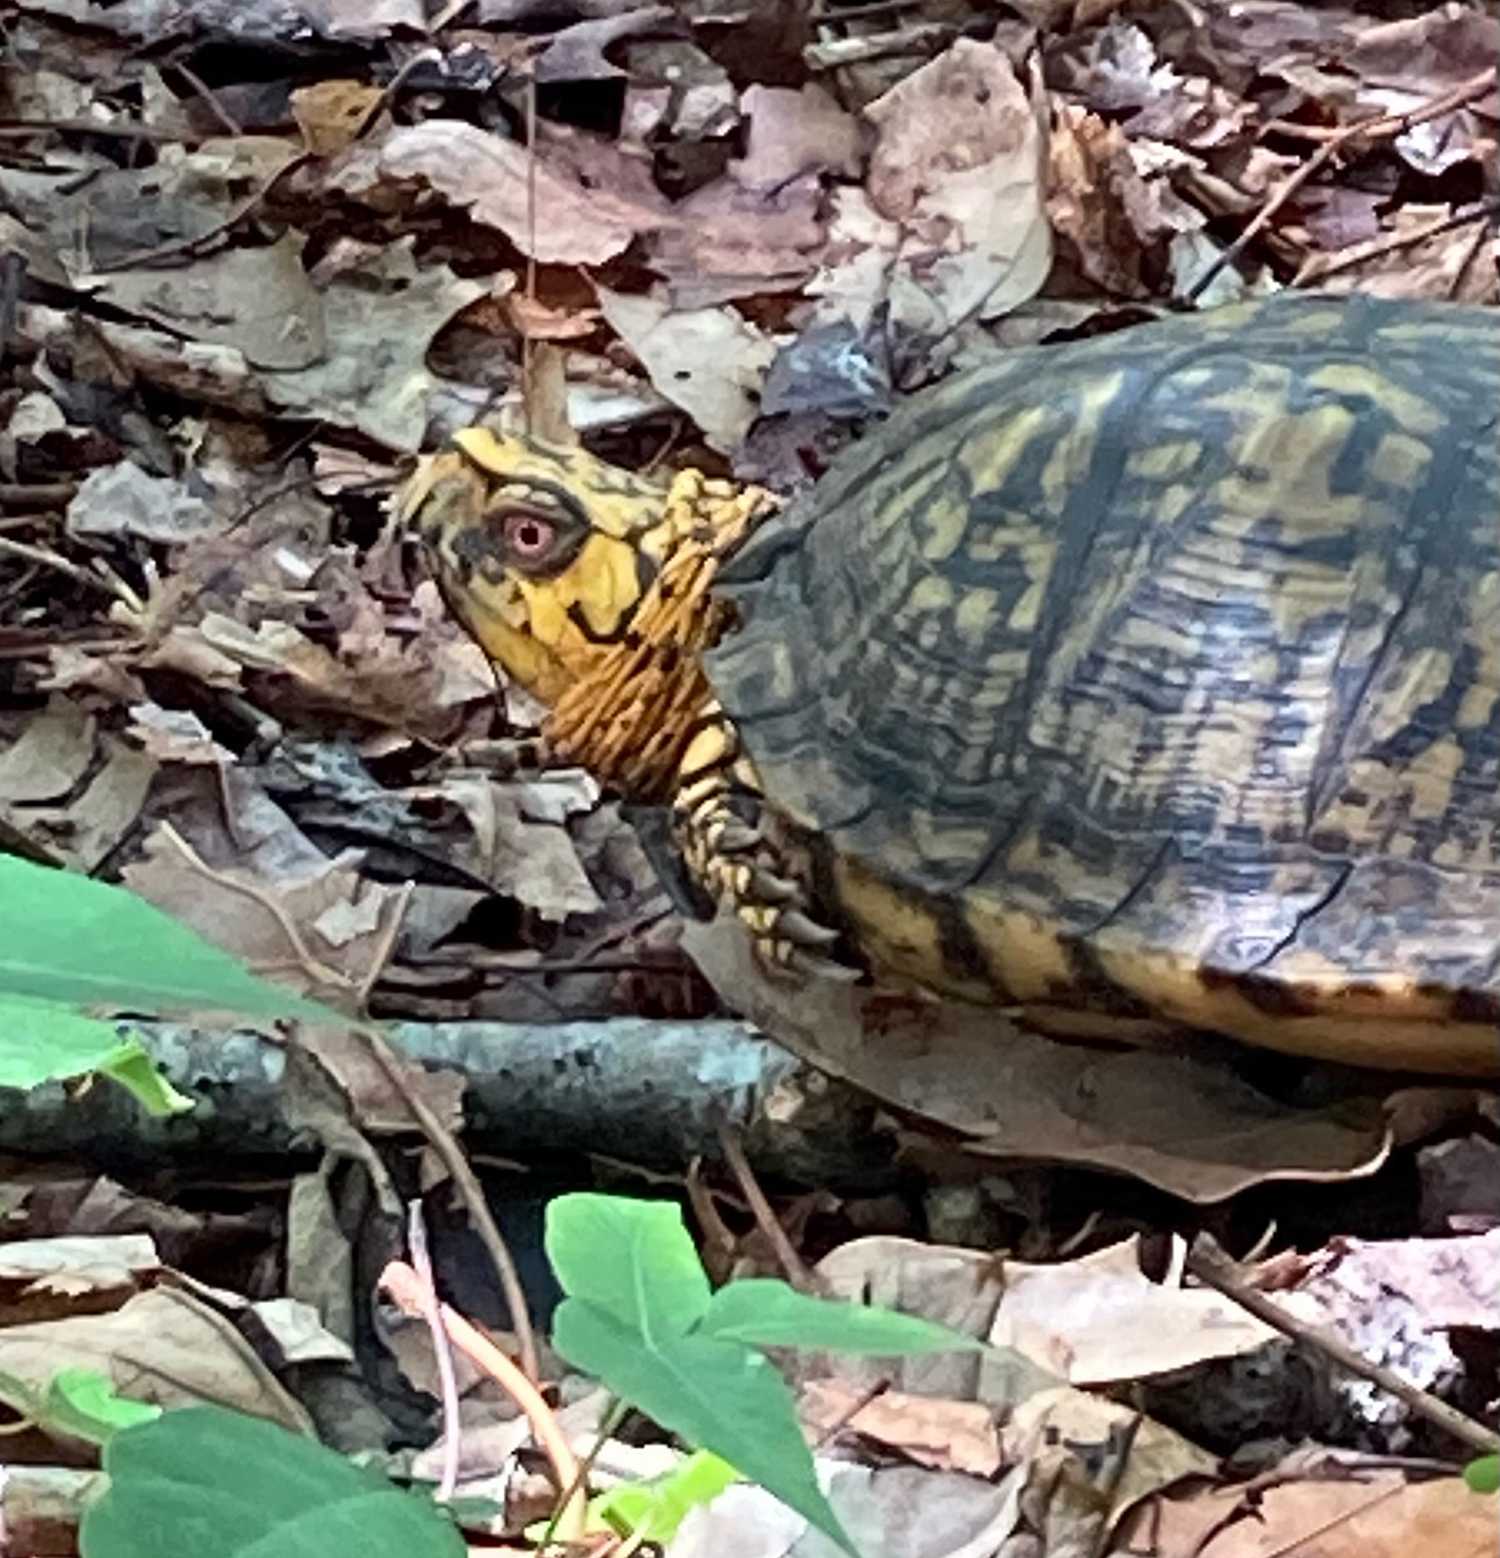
1209 1263
1385 126
796 1269
394 1064
23 495
1393 243
182 248
47 559
386 944
309 962
227 121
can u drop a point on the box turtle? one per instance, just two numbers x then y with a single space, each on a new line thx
1144 680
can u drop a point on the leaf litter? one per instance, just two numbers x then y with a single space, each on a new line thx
250 271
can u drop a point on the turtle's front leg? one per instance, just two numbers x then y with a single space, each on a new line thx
716 818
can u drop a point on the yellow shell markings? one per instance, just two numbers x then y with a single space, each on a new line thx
1275 524
1147 678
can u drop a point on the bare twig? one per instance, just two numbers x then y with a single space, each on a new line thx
1381 128
12 275
386 943
448 15
20 494
870 1393
44 558
309 962
719 1243
227 121
530 284
1209 1263
831 15
1384 124
26 521
18 129
180 248
394 1065
836 53
1393 243
797 1271
573 1495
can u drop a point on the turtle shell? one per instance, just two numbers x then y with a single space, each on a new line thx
1155 676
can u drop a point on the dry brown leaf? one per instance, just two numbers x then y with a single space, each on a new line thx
274 915
792 132
221 619
1116 70
329 113
708 361
1454 264
534 862
1395 1302
958 166
956 1287
257 301
95 784
947 1435
1090 1461
1384 1517
1187 1125
199 372
175 736
538 322
576 52
1429 54
507 187
50 755
1098 201
888 1509
727 242
48 1279
123 500
375 1106
381 310
1336 218
1100 1320
162 1346
117 214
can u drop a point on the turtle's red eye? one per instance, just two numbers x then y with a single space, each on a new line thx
529 538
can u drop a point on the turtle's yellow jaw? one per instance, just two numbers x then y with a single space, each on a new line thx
544 552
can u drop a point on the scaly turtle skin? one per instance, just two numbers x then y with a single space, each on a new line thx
1149 678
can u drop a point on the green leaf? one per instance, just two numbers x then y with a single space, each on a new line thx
69 939
766 1313
653 1510
630 1259
206 1481
83 1403
717 1395
42 1041
1483 1475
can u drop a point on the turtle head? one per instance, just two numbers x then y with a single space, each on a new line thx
586 584
543 551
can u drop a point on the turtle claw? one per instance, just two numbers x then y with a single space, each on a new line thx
811 966
803 931
742 869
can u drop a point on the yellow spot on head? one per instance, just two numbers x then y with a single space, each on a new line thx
546 618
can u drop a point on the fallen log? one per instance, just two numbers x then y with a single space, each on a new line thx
645 1091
